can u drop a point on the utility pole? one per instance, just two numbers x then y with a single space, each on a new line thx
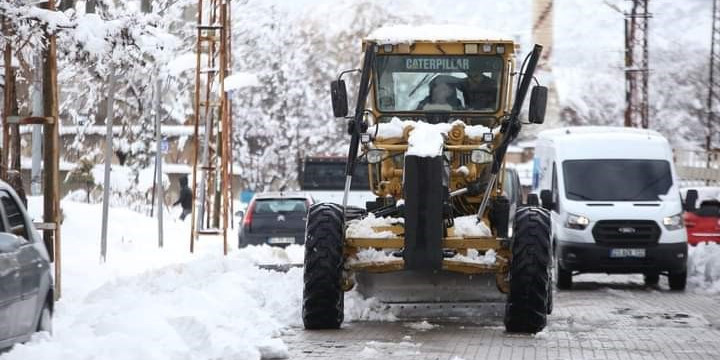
714 80
636 64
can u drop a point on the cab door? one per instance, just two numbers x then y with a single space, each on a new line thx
30 263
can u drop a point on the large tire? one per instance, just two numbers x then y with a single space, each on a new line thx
527 303
677 280
323 297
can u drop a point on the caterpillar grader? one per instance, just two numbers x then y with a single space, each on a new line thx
433 119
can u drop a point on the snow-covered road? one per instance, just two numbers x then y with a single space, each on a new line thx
152 303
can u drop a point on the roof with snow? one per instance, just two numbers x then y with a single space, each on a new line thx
406 34
596 130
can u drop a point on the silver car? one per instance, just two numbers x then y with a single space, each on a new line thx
26 284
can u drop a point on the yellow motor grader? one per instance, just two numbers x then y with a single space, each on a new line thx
433 119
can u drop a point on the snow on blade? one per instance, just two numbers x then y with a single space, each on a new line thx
407 34
469 226
473 256
363 228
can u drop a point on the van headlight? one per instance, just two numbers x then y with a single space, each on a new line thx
375 156
673 222
577 222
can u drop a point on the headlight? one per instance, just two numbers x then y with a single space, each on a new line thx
673 222
577 222
375 156
480 156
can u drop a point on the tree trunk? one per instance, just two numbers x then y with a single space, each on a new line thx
66 5
146 6
90 6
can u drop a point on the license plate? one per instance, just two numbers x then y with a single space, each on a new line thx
281 240
619 253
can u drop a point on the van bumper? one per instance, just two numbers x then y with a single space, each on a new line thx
595 258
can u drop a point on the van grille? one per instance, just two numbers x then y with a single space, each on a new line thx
626 233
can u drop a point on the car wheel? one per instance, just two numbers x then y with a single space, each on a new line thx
677 280
45 321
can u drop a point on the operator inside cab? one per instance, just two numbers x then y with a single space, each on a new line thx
438 83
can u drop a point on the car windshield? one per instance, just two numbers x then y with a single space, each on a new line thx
616 179
270 206
438 83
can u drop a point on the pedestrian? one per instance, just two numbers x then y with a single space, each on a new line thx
185 199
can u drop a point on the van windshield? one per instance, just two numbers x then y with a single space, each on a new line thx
616 179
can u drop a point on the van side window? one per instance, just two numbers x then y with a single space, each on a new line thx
555 193
15 218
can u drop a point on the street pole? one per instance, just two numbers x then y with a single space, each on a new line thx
37 110
158 162
108 159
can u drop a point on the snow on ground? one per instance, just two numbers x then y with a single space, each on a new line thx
422 325
150 303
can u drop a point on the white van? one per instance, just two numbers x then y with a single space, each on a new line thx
614 201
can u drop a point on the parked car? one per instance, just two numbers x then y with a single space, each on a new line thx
702 222
275 218
26 285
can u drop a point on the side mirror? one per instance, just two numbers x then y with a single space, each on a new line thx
9 243
690 200
547 199
532 200
338 91
538 104
239 214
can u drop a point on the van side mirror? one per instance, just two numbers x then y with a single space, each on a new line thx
532 200
9 243
338 91
538 104
239 214
690 200
547 199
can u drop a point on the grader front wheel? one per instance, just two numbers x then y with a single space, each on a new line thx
527 303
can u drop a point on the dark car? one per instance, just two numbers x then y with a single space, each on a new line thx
26 285
275 218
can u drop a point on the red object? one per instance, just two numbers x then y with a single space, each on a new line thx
703 224
247 219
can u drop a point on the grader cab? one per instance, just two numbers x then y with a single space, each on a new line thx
433 118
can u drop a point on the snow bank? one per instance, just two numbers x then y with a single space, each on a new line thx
704 267
146 302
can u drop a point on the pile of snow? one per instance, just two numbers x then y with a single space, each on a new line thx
240 80
167 302
704 267
425 139
470 226
363 228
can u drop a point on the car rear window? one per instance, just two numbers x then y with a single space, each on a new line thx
709 209
269 206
